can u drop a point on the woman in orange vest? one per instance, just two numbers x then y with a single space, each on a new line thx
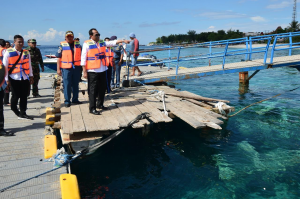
68 65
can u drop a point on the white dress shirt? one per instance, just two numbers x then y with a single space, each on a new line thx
85 49
16 76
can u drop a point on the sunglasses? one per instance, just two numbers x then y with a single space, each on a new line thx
97 35
33 42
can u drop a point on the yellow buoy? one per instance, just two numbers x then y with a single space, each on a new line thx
48 121
69 186
50 146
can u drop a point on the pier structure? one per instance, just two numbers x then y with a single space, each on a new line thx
22 155
246 65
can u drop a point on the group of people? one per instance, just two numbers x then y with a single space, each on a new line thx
99 60
22 70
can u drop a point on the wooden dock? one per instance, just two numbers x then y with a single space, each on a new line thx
22 155
125 104
197 72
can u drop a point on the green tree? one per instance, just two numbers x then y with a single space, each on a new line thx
191 35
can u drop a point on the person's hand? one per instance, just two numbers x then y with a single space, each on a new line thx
43 69
120 63
59 72
126 41
31 80
85 75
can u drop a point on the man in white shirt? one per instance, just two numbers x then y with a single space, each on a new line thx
94 68
19 76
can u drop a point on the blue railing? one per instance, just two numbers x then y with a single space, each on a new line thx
248 51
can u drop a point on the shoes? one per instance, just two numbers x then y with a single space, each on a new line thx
25 117
102 107
35 96
5 133
118 86
78 102
95 112
67 105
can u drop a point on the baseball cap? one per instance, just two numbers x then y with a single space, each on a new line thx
132 35
69 32
31 41
113 37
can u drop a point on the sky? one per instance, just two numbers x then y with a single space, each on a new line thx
47 21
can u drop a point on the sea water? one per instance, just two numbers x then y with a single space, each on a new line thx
255 155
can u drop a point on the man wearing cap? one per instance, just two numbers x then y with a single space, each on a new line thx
68 65
118 59
134 48
36 60
94 68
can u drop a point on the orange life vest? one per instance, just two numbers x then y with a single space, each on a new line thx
67 59
23 64
109 53
1 55
95 56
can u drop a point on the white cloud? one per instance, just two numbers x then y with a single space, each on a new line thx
48 36
258 19
211 27
283 4
222 15
82 37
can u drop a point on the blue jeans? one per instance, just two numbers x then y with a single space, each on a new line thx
71 83
116 72
133 60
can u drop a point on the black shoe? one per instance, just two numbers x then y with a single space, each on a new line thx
25 117
95 112
78 102
67 105
35 96
102 107
5 133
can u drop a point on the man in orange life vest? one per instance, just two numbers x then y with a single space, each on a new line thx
18 64
94 68
68 65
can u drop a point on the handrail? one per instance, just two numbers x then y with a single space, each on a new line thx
248 51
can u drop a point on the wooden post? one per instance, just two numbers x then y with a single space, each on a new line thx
243 78
243 82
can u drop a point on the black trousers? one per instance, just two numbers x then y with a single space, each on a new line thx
108 78
96 88
1 110
19 90
6 97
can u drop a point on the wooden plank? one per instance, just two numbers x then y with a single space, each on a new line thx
203 118
204 105
126 110
145 109
140 123
161 117
66 126
206 112
77 120
182 95
123 122
185 117
111 120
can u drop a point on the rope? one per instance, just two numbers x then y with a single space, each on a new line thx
262 101
219 105
81 153
162 95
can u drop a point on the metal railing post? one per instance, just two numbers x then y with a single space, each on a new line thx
178 61
291 44
224 58
210 48
246 55
169 55
273 50
250 55
267 50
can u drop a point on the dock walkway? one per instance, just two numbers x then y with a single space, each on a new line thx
22 155
197 72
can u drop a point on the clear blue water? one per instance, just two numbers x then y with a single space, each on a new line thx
255 155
